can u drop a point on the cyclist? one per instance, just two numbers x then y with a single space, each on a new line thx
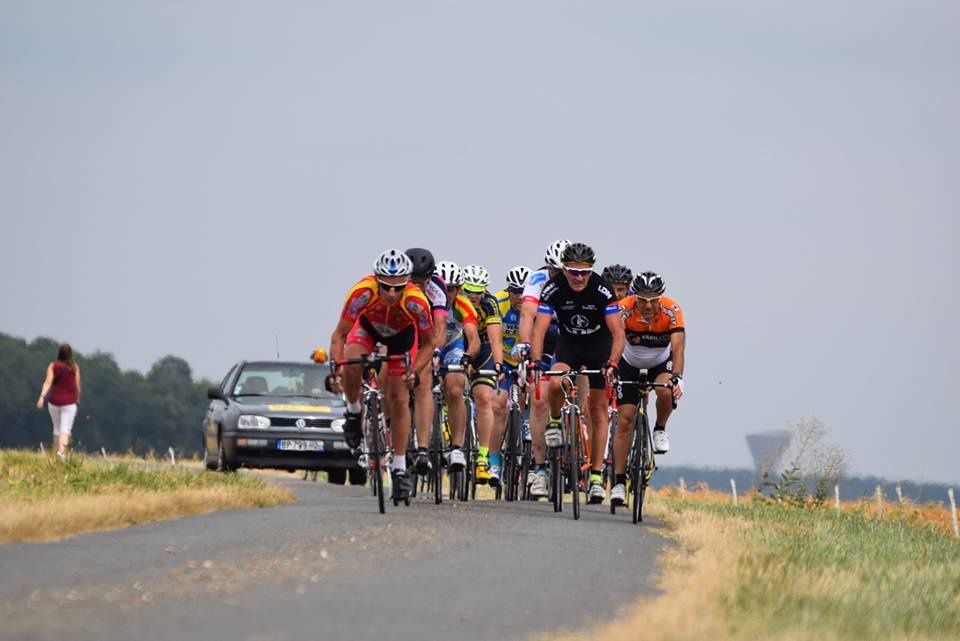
539 412
476 279
508 301
435 290
591 336
385 308
619 278
656 341
460 346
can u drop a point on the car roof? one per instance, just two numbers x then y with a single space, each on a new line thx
283 364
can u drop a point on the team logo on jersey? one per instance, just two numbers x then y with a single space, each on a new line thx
603 290
549 289
580 322
537 278
359 301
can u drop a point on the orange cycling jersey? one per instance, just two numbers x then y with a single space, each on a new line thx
364 300
648 344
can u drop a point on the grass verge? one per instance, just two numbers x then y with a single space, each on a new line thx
43 498
792 574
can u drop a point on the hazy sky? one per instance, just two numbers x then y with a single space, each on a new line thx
196 178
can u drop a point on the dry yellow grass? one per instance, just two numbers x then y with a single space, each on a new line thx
58 517
696 576
795 574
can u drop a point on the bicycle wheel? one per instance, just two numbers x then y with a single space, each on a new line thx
525 457
376 450
436 459
557 480
573 425
511 447
641 444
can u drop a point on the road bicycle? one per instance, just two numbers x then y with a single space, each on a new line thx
641 462
375 449
567 459
516 463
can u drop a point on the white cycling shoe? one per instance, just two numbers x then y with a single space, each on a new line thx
540 486
661 444
457 461
596 494
553 435
618 494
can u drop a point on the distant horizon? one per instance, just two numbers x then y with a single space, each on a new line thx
705 467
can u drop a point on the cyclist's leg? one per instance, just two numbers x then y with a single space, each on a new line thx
501 401
555 390
423 410
359 343
628 397
662 374
539 415
453 388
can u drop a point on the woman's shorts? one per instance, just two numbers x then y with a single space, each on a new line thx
62 416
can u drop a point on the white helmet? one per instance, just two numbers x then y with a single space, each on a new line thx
393 262
517 276
475 278
450 273
554 255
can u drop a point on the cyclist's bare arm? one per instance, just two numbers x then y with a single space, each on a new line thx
528 312
678 343
439 327
494 333
472 336
425 351
615 324
540 326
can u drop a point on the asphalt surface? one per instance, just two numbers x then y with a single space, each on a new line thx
331 567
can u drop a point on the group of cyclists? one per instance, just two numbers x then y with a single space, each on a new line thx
560 317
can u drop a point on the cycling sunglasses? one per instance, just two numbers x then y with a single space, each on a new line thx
399 287
514 290
578 272
653 300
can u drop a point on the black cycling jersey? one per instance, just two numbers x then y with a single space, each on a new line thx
581 315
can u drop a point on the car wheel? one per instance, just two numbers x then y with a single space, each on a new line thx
222 464
208 463
337 477
358 476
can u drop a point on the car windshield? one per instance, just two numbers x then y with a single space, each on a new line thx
265 379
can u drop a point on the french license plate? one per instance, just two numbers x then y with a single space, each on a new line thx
299 445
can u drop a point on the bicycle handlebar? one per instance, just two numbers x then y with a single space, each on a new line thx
651 385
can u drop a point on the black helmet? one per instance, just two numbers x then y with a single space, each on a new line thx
423 262
578 253
649 283
617 274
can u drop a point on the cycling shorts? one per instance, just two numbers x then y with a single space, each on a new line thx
590 355
452 353
401 343
484 360
630 394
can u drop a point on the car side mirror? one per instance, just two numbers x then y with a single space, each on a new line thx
214 394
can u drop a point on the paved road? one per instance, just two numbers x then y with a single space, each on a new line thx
330 567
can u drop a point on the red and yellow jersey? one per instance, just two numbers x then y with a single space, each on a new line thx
364 300
648 344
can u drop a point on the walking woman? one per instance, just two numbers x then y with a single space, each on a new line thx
61 389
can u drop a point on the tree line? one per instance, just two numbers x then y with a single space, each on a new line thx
120 411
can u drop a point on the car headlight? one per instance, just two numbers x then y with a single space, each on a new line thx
337 424
253 422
